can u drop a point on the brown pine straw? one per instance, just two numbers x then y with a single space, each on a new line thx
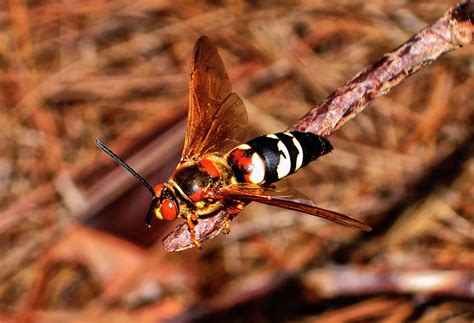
405 166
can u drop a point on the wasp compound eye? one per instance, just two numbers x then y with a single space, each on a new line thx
168 210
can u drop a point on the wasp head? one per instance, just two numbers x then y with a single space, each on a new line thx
163 205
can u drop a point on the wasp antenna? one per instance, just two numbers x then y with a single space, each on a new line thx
149 216
124 165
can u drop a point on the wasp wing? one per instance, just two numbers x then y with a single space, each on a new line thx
288 199
217 116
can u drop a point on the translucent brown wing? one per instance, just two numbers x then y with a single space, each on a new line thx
288 199
217 117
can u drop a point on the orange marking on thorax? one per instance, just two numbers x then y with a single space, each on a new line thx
210 168
197 196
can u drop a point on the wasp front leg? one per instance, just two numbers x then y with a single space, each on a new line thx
190 218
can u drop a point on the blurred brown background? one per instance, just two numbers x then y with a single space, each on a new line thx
72 235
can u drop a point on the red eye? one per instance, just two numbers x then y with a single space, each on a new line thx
169 210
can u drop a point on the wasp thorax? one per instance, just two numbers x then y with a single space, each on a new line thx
194 179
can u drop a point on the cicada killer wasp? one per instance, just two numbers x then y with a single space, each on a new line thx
215 173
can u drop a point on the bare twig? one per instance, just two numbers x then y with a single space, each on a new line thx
337 281
454 30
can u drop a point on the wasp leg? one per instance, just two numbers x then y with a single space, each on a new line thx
230 214
190 218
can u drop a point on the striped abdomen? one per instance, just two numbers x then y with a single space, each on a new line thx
267 159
